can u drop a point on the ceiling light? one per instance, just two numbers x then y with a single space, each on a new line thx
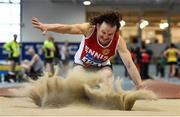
123 23
163 25
143 24
147 41
87 2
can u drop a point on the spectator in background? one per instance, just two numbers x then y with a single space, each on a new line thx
57 55
65 53
14 53
34 67
172 56
133 55
160 66
65 56
178 67
138 58
49 51
145 60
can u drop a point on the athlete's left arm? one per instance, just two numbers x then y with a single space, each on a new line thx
127 60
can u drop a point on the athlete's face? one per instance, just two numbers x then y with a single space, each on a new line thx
105 32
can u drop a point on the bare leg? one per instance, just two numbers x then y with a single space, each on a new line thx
162 89
50 69
173 70
78 68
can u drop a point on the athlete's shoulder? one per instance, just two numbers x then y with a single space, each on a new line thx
85 26
122 42
120 38
90 30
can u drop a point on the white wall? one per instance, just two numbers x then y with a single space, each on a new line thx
49 12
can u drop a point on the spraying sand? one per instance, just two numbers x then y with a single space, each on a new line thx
85 88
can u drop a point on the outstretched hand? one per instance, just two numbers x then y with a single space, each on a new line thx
146 84
37 24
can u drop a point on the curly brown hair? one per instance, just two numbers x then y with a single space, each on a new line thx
111 17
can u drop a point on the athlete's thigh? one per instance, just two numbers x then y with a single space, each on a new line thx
106 72
77 68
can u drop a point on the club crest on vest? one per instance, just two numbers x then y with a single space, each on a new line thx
106 51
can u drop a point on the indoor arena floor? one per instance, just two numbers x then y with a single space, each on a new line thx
23 106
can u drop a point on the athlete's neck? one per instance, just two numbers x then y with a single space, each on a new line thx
104 43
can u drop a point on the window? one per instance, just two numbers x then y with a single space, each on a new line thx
10 20
10 1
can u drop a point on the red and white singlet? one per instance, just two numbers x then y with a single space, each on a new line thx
92 53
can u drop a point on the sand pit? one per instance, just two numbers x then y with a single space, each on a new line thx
24 106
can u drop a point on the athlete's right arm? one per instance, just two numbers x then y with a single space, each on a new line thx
83 28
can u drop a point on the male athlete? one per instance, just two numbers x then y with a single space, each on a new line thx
101 40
